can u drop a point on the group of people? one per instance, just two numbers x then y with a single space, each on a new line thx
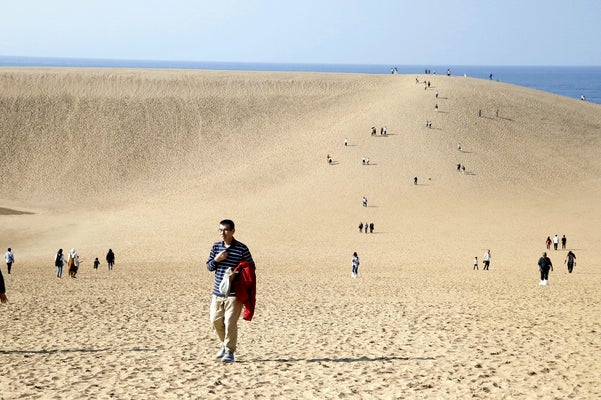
73 261
383 131
485 261
556 241
368 227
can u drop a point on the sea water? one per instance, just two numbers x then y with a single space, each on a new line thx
574 82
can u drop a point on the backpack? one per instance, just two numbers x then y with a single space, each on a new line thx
57 260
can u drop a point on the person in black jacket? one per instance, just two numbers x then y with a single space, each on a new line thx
110 259
544 265
3 298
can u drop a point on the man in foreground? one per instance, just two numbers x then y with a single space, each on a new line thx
225 307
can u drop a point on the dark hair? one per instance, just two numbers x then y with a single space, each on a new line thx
229 223
355 254
9 249
60 251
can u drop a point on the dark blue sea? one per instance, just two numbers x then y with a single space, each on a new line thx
573 82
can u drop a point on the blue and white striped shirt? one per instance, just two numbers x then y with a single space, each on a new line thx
236 253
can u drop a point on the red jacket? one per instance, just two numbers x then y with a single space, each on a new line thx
245 286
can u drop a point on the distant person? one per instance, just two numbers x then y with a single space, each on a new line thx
364 201
73 263
385 132
3 298
555 241
490 77
564 240
415 180
361 227
479 113
459 148
227 254
570 260
545 265
381 131
366 227
96 263
463 169
583 98
475 263
355 265
59 261
436 94
449 72
548 242
435 107
458 167
486 260
110 259
345 141
373 131
329 159
371 227
9 257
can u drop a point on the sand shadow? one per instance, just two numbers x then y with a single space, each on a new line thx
9 211
57 351
370 164
507 119
334 163
346 359
470 173
442 112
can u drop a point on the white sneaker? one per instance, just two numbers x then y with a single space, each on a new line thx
541 283
546 282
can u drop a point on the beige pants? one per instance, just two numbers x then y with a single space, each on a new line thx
225 312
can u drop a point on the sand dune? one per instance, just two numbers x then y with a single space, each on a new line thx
148 161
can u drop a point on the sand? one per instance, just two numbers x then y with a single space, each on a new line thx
147 162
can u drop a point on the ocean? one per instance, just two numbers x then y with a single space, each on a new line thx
572 81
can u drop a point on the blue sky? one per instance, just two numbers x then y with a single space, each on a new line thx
393 32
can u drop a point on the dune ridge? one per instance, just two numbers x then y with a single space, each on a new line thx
148 161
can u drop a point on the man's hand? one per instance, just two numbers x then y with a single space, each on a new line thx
3 298
221 256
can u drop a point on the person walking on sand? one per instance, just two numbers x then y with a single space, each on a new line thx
96 263
475 263
110 259
564 240
486 260
555 241
345 142
364 201
355 265
570 260
73 263
371 227
59 261
9 257
366 227
226 309
548 242
544 265
3 298
361 227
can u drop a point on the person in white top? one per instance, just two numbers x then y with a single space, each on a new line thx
9 257
486 260
355 261
555 241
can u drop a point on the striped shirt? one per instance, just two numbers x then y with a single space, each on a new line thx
236 252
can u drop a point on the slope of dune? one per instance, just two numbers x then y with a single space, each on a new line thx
167 152
147 162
